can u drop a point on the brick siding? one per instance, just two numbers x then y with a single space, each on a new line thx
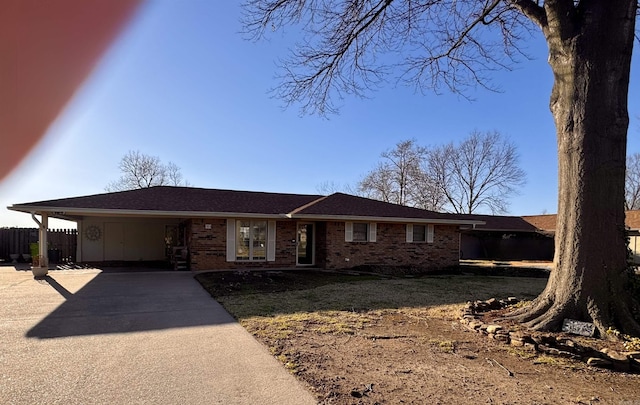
208 249
391 248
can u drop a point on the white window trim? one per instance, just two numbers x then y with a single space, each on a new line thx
429 230
409 233
348 231
372 232
271 241
430 233
231 240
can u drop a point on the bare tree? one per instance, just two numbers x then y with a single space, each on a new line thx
632 184
400 179
482 171
330 187
452 44
379 185
143 171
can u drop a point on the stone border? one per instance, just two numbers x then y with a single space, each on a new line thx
545 343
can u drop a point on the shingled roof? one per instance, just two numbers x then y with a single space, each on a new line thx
178 200
545 222
504 224
340 205
189 201
548 222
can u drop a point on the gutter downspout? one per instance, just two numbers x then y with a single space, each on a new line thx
43 259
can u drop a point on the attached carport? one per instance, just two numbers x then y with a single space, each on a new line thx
112 236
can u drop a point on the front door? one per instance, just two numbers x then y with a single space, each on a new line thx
305 244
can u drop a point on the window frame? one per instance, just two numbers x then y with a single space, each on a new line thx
371 233
240 241
423 235
366 232
234 240
429 233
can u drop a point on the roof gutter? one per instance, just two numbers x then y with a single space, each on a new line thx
61 211
388 219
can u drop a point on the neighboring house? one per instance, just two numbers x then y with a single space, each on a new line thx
547 223
224 229
505 238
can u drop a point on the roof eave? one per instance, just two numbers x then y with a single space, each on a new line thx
79 212
66 211
385 219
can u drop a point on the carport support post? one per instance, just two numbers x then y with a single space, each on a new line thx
43 260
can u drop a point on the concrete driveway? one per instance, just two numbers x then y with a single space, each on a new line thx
88 337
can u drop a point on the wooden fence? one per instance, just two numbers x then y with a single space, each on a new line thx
17 241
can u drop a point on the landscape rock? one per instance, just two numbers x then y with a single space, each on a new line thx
544 339
598 362
475 325
548 343
493 304
516 342
520 335
619 360
633 355
502 338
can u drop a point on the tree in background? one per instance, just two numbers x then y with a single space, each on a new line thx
454 44
632 184
330 187
482 171
399 178
142 171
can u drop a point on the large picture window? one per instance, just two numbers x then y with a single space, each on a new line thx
251 240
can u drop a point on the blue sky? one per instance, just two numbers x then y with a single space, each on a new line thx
182 83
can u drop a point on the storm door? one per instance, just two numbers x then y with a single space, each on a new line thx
305 244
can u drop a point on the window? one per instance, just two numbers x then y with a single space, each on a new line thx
251 240
419 233
360 231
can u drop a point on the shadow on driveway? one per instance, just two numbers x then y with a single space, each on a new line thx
127 302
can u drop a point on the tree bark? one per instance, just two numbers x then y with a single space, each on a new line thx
590 56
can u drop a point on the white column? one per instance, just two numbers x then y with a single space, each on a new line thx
44 254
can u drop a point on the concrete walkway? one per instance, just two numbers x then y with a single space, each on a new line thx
87 337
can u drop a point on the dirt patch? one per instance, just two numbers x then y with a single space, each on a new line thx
377 340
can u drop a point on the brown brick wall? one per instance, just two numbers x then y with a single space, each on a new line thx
391 248
208 248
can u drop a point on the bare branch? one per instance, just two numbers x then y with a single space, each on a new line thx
482 171
632 183
143 171
400 179
350 46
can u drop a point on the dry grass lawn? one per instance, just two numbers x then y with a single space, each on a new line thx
366 339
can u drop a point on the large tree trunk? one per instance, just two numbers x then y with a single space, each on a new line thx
590 55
